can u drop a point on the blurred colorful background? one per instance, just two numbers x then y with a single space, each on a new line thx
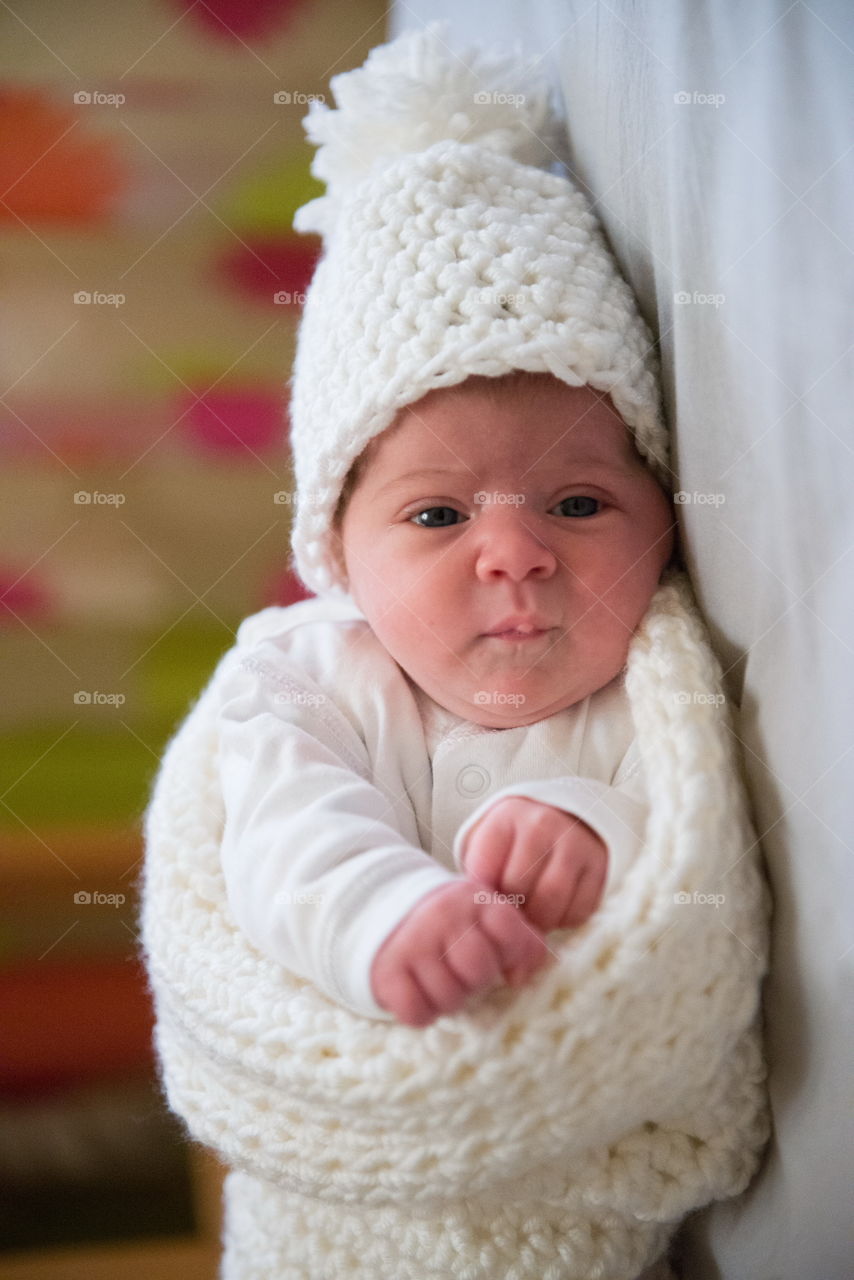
151 159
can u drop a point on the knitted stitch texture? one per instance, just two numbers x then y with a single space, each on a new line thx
555 1132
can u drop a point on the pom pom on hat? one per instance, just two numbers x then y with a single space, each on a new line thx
449 250
413 93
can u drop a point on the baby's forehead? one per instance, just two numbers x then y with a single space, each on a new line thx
417 438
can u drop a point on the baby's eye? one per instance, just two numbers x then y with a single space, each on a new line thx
442 522
579 505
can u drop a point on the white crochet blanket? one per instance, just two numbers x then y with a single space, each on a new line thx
555 1132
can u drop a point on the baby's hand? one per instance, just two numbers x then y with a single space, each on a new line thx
452 944
552 859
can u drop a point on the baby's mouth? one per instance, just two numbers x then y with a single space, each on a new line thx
523 627
517 637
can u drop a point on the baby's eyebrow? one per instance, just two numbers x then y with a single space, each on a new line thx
588 461
421 473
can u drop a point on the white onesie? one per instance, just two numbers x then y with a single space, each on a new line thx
348 791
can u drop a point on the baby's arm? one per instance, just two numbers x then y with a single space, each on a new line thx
319 864
529 843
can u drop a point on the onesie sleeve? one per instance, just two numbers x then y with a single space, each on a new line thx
617 812
317 874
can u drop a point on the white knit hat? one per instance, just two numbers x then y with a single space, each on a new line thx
449 250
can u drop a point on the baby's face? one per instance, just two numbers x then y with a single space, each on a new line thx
474 511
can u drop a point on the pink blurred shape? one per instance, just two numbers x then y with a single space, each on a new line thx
239 19
266 269
24 598
284 588
228 420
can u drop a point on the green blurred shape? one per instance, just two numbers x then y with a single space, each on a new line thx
93 776
265 203
198 369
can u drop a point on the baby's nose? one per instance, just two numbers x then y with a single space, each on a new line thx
508 544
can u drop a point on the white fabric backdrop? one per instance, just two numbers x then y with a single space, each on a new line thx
746 190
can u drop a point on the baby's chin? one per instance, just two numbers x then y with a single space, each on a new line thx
495 710
511 700
516 719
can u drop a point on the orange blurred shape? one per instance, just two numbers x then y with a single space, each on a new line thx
50 167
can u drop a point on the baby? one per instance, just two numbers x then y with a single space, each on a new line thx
502 539
533 599
479 455
497 718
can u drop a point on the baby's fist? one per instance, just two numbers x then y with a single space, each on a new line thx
550 858
455 942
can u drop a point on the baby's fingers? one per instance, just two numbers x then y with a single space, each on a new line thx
488 846
473 957
443 987
405 998
586 897
521 947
